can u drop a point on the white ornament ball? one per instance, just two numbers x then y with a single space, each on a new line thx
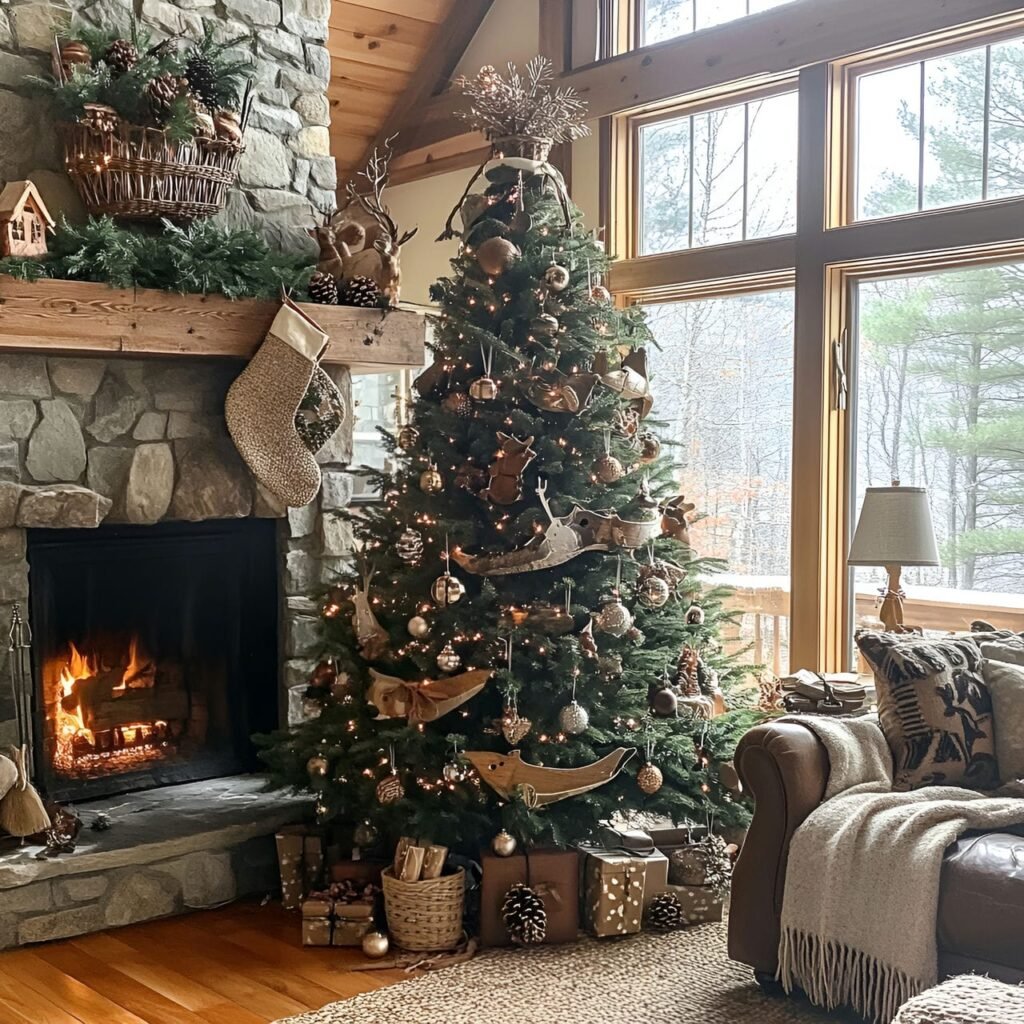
376 945
503 844
573 718
653 592
418 627
649 779
447 589
614 618
557 278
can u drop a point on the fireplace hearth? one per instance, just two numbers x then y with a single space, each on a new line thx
154 652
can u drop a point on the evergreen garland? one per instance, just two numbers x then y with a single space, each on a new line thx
202 258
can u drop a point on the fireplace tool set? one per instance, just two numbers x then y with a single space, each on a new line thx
21 810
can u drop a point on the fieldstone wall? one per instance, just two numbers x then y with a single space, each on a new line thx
98 440
287 171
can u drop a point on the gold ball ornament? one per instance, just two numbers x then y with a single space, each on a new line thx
665 703
614 617
74 52
496 255
408 436
557 278
390 788
653 592
418 627
503 844
376 945
448 660
447 590
600 294
431 481
483 389
573 718
608 469
649 779
317 766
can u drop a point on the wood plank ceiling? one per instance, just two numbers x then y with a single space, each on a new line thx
376 47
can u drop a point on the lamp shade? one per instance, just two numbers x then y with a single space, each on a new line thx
895 528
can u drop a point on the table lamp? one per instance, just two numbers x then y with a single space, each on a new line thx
894 530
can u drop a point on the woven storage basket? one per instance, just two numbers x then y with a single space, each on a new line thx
425 915
138 173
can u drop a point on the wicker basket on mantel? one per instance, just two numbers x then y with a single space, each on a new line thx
136 172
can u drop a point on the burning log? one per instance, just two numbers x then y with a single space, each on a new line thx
104 703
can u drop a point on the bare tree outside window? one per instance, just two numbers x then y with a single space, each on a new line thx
667 19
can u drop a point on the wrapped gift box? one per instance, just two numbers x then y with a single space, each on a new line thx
317 921
351 922
300 857
618 887
700 904
553 873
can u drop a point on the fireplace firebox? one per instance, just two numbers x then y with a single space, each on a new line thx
154 653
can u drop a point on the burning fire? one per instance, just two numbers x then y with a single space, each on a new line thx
89 721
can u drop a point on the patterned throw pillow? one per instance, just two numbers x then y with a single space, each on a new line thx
1006 684
934 708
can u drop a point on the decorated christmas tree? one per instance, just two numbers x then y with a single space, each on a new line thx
528 642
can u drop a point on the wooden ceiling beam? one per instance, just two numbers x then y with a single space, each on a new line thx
452 38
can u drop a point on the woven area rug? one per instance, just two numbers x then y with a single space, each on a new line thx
682 977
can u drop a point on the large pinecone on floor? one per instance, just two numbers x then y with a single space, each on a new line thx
524 915
162 91
666 912
361 291
201 73
121 56
323 288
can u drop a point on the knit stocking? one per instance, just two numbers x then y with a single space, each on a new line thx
262 402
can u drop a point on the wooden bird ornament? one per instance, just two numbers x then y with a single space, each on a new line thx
426 700
505 772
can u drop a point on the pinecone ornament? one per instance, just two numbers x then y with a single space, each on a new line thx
323 288
201 73
524 915
360 291
162 91
666 912
121 56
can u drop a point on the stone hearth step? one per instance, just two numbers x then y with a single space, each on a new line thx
167 851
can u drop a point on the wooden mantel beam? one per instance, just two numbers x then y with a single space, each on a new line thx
86 318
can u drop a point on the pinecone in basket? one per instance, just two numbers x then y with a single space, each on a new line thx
524 915
666 912
361 291
162 91
323 288
121 56
201 72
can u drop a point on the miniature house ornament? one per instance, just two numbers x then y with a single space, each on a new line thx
24 220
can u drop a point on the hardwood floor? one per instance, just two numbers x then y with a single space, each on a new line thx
242 964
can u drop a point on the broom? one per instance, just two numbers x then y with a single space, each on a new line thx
21 811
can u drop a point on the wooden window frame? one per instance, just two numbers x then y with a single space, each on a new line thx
823 260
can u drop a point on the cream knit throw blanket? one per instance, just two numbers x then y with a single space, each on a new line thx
862 882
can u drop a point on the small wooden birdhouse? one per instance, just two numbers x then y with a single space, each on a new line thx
24 220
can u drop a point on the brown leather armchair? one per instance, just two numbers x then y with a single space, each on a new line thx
784 767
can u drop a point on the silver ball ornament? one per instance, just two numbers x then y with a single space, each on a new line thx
418 627
376 945
410 546
448 660
483 389
503 844
447 590
431 481
649 779
557 278
600 294
695 615
653 592
317 766
614 617
453 772
408 436
545 324
365 834
573 718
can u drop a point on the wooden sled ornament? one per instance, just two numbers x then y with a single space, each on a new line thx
630 381
427 700
505 772
565 538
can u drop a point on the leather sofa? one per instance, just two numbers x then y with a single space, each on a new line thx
784 766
